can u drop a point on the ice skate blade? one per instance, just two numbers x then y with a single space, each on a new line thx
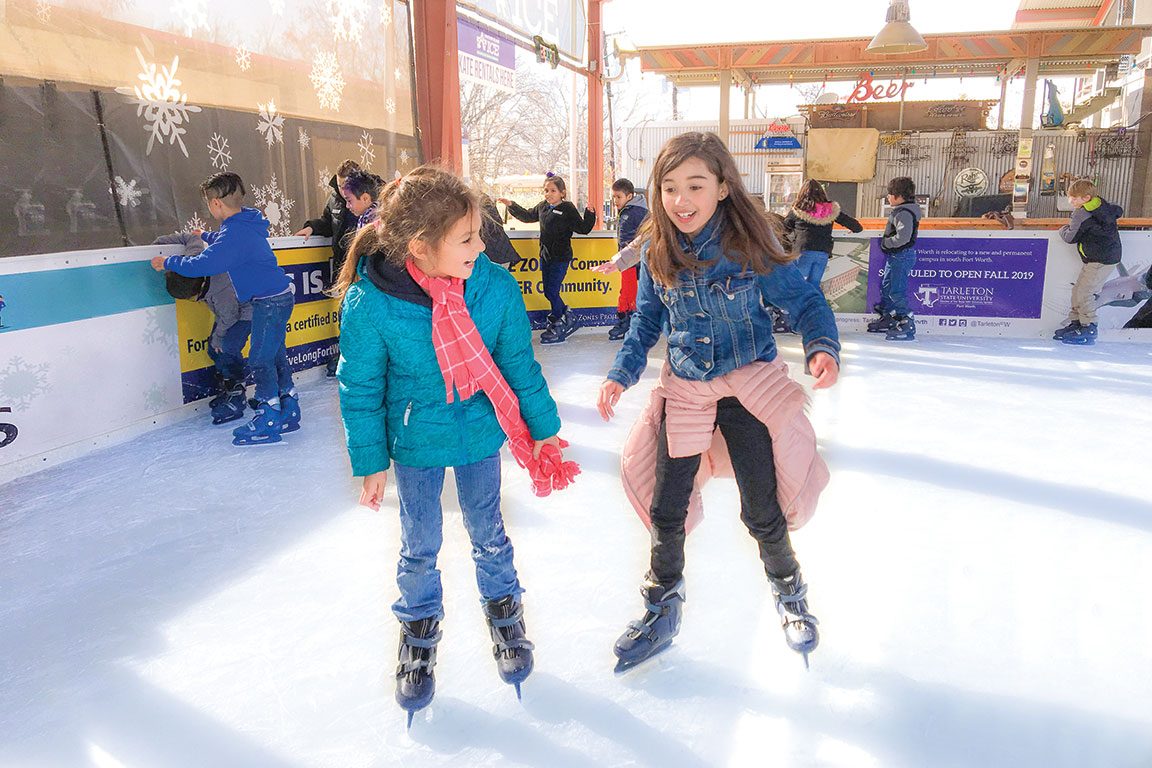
410 713
806 667
518 696
623 665
269 440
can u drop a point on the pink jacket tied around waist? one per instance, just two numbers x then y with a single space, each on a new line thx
767 392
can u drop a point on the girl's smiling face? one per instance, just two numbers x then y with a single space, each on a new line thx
552 194
455 255
690 194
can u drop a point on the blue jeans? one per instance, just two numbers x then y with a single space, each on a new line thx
894 284
812 265
229 359
267 355
421 534
554 273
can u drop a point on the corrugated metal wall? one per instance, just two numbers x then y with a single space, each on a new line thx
929 161
643 142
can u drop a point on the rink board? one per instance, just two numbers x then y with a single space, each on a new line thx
93 349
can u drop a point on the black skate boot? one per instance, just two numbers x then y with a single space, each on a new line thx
511 648
800 632
1071 327
229 404
654 632
903 328
415 680
781 323
620 330
882 324
559 332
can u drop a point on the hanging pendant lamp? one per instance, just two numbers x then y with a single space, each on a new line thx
897 36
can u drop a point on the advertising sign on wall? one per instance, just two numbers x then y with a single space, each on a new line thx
486 58
590 295
971 277
312 329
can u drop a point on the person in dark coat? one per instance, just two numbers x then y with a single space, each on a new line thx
496 243
559 220
337 221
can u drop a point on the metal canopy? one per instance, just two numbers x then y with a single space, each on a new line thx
1059 51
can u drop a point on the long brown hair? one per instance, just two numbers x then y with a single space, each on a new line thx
748 238
810 194
423 205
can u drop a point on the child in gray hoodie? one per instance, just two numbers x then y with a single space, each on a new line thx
233 323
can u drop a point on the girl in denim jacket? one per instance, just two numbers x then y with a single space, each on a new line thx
710 269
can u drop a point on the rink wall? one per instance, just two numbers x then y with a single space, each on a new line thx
93 350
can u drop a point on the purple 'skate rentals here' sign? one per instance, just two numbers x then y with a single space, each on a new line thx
970 277
486 58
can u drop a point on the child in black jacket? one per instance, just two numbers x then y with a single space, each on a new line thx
1093 229
559 220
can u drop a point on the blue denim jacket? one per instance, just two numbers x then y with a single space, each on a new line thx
716 320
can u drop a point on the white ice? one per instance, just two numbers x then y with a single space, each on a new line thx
980 564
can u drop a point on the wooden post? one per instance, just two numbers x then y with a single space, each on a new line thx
596 194
438 82
725 88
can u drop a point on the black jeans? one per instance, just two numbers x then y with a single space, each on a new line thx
750 447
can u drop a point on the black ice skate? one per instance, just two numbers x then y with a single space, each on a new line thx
654 632
560 330
511 648
903 328
415 680
1071 327
229 404
792 604
882 324
620 330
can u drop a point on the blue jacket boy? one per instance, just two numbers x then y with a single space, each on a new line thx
241 249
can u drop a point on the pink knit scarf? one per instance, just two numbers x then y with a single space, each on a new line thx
468 367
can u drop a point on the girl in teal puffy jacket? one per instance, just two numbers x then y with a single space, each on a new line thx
418 408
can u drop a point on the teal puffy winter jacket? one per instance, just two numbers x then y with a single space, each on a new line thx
392 396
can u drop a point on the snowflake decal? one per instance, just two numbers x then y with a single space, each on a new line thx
367 152
43 11
276 207
271 125
192 14
243 58
404 157
155 398
390 105
160 328
21 383
303 139
398 73
386 12
194 223
325 177
127 193
327 80
159 100
218 152
347 17
277 7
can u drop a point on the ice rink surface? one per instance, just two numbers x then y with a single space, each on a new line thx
981 566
